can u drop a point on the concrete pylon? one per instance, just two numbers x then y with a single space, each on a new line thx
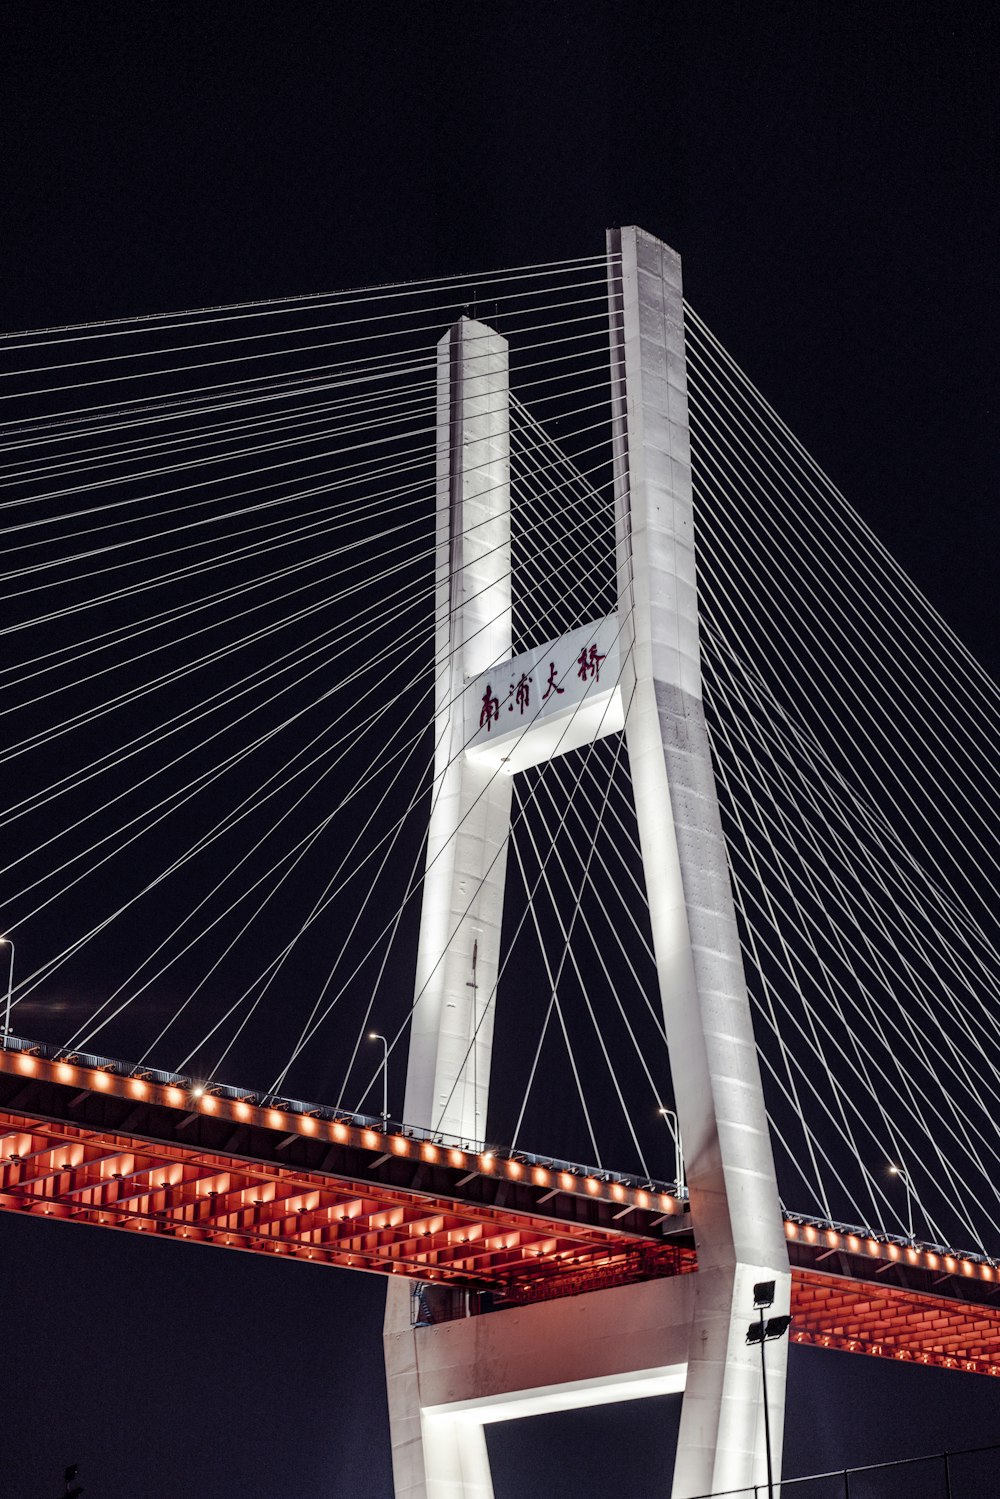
447 1381
458 954
735 1210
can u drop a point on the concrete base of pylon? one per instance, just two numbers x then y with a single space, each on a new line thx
447 1381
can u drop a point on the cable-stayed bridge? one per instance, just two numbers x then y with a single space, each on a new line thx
356 636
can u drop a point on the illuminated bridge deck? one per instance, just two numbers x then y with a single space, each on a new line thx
94 1141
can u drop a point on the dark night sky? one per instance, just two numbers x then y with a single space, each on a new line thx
829 175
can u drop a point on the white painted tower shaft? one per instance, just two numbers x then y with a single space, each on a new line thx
458 955
717 1087
451 1042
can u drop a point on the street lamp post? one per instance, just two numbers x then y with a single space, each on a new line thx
7 942
375 1036
674 1126
766 1332
904 1177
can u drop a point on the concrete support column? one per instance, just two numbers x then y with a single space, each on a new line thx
720 1105
451 1043
458 956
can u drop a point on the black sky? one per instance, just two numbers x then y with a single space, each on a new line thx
828 174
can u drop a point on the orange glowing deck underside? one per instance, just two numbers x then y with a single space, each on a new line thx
118 1157
857 1317
60 1171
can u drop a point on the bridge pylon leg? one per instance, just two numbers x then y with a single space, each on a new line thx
735 1210
458 956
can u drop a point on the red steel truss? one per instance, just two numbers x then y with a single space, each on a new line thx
858 1317
104 1146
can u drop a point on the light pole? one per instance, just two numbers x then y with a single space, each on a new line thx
374 1036
674 1126
8 942
904 1177
766 1332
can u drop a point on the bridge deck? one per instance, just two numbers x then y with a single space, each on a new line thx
104 1146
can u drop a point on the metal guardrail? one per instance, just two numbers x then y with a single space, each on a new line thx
969 1473
12 1043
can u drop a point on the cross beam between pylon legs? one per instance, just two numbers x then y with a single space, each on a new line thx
446 1381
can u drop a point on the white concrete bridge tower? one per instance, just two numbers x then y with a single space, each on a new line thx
688 1334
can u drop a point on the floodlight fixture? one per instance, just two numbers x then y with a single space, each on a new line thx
759 1333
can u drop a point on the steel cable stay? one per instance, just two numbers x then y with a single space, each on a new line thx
408 399
752 887
849 667
797 743
165 619
567 953
195 569
265 979
416 418
849 1030
409 395
277 306
869 743
184 369
762 928
649 1002
803 924
83 423
147 820
395 318
172 616
419 638
250 804
392 468
78 423
639 934
919 990
798 797
279 1081
410 421
843 563
522 816
359 371
324 663
847 733
904 587
305 1039
916 887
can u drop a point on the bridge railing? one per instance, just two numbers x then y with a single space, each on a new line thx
297 1106
971 1473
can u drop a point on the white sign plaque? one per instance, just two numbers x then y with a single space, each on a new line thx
557 697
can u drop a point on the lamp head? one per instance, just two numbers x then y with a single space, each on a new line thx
763 1294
